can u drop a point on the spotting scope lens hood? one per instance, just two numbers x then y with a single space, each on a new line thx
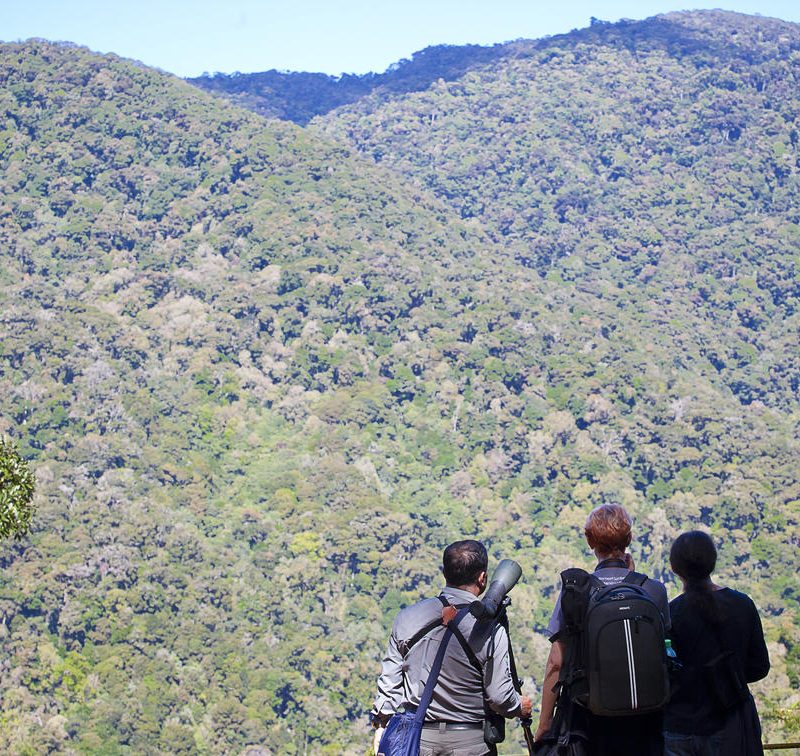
505 577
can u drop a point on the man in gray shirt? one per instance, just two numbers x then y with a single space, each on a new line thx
454 719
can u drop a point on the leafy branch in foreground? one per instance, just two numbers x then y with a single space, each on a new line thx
17 484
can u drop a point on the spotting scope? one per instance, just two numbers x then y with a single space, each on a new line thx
505 577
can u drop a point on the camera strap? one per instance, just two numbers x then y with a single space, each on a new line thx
432 625
516 682
502 619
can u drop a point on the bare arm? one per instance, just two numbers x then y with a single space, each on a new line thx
551 673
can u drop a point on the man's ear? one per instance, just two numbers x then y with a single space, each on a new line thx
482 578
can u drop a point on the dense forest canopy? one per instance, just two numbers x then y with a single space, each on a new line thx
265 372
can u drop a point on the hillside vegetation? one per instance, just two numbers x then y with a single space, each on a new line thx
647 154
264 373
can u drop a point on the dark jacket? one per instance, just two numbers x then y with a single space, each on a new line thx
691 710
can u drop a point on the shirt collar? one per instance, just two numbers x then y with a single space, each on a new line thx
458 596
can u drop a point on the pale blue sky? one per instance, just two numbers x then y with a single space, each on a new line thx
187 37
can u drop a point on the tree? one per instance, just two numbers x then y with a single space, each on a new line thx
17 484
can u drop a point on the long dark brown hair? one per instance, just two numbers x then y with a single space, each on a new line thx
693 557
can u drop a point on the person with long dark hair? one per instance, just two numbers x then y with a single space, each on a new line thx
717 636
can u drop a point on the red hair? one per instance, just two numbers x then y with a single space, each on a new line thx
608 528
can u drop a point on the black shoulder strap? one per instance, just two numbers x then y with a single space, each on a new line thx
423 631
473 659
503 621
576 585
635 578
462 641
500 621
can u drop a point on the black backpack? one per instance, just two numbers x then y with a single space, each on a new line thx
616 661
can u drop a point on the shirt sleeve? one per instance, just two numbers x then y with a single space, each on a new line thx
390 682
556 621
757 665
497 682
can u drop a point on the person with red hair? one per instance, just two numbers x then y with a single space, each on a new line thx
608 533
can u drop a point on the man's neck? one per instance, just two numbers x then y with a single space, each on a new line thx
472 588
603 556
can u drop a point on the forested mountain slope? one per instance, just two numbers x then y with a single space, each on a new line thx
194 304
263 380
658 154
651 170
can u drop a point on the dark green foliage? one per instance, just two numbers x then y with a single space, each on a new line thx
17 485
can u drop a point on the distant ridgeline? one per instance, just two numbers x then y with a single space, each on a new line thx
263 373
299 97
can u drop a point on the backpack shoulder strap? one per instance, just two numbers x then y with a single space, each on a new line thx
430 683
462 641
576 587
473 660
635 578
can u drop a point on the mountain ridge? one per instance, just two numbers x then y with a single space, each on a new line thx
177 291
301 96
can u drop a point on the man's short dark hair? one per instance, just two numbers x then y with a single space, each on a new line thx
463 562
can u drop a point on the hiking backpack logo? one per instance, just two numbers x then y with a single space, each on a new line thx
616 663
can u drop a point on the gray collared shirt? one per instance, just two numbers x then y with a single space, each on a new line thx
459 694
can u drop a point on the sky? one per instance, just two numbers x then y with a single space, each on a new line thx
189 37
